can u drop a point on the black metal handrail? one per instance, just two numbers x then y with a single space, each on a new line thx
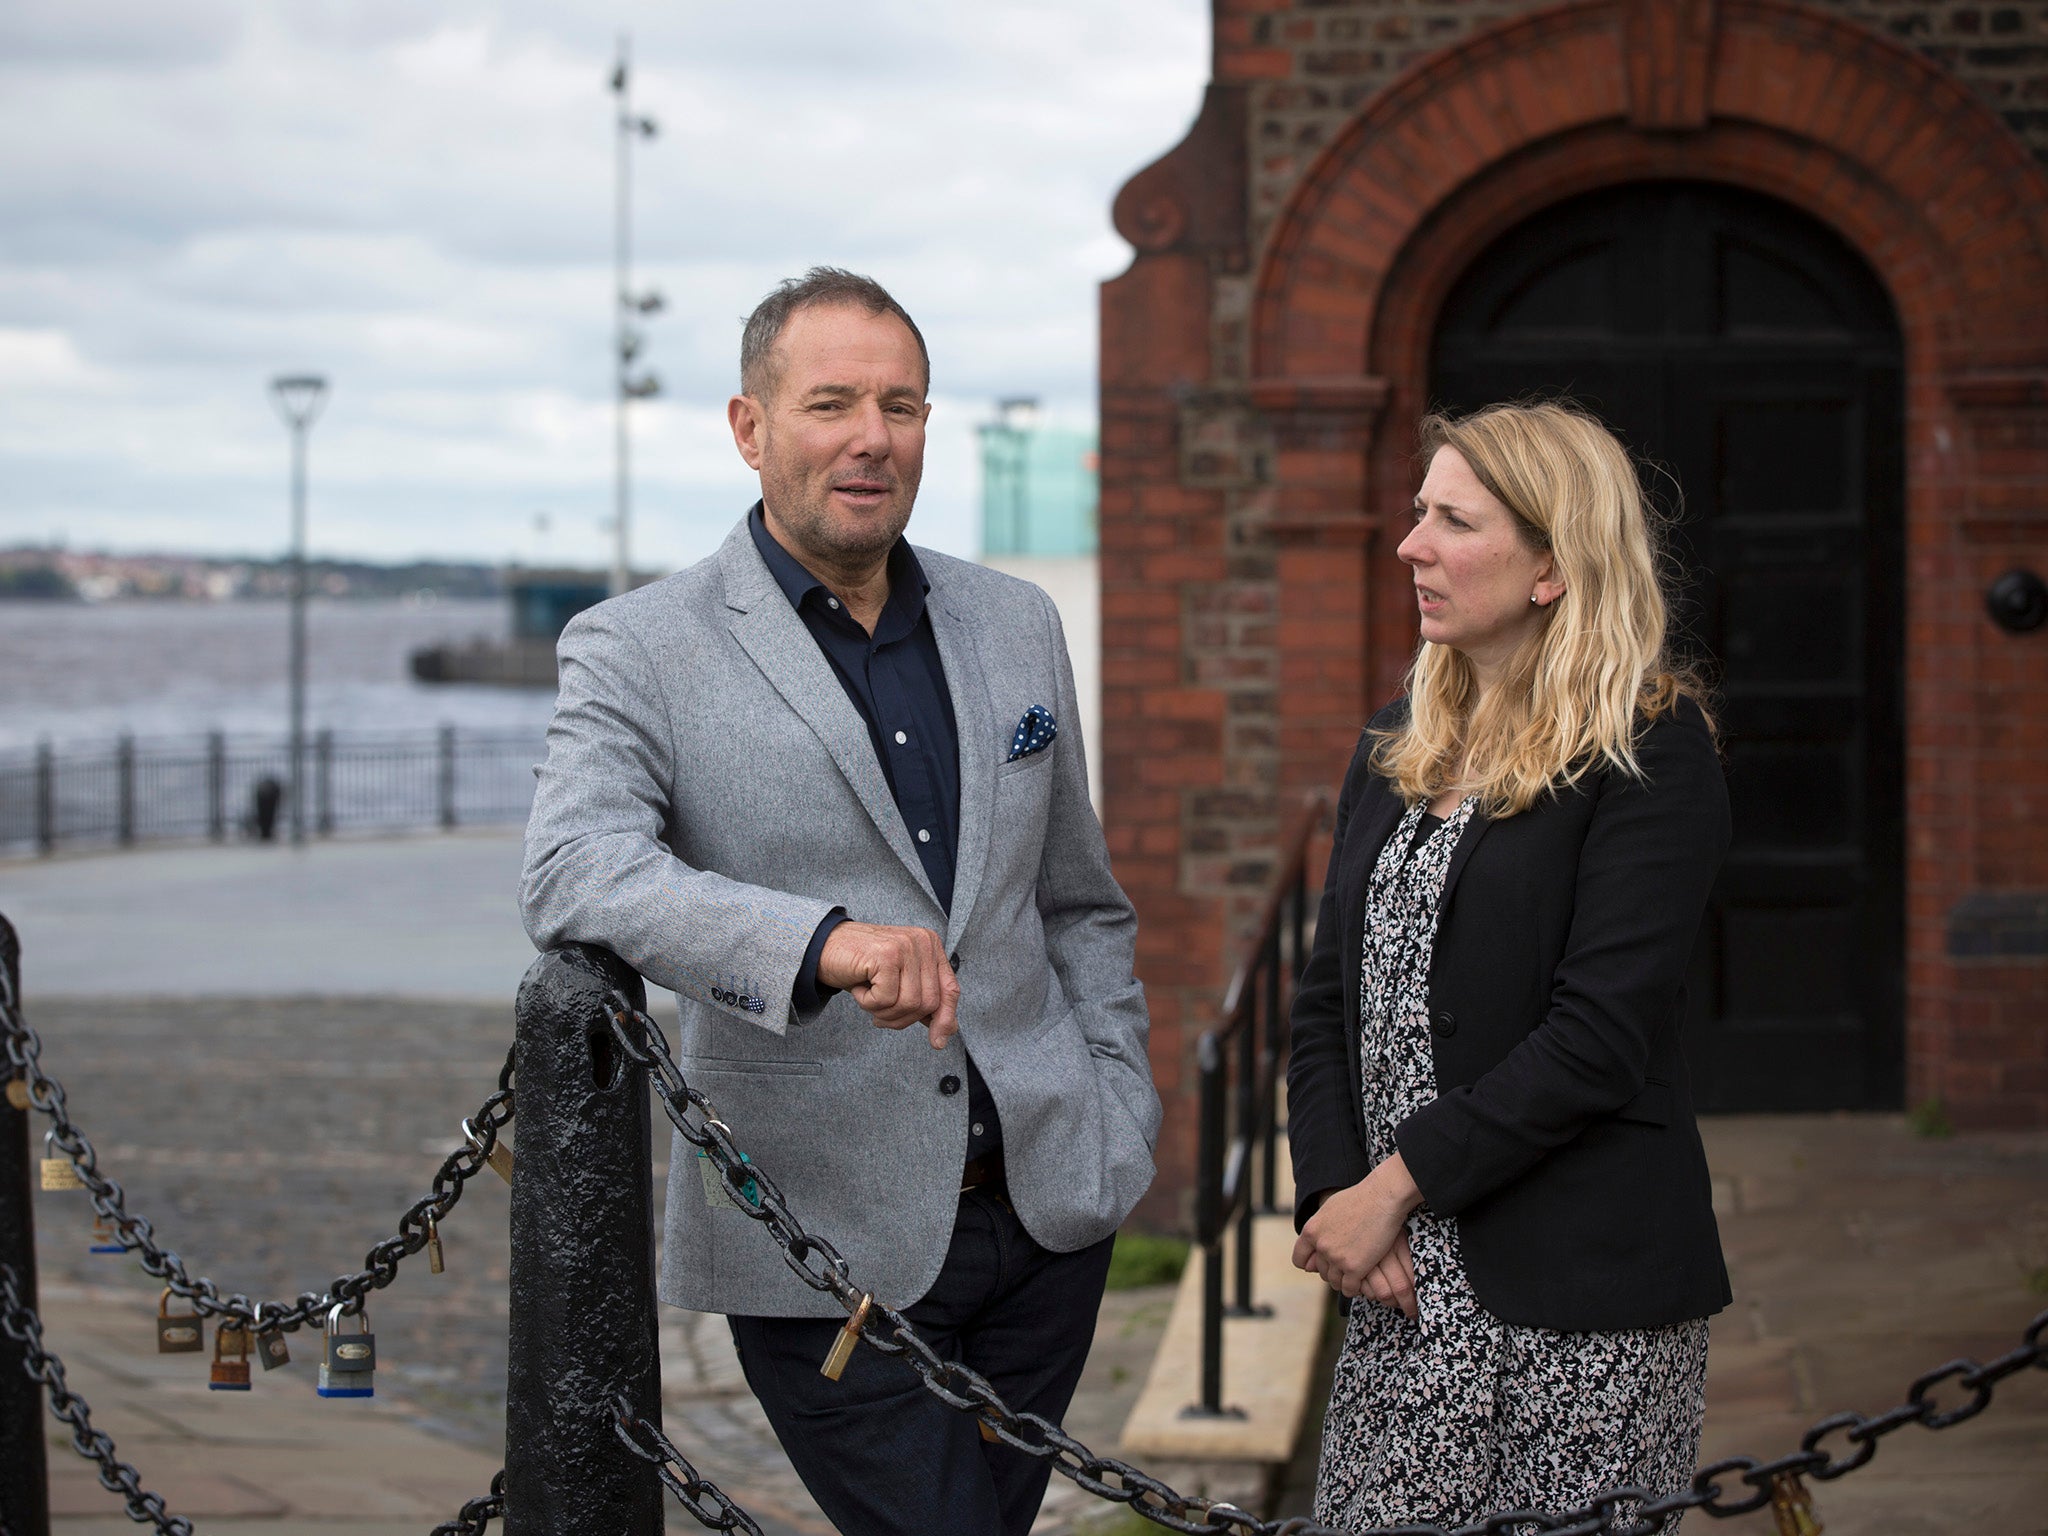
1240 1121
208 787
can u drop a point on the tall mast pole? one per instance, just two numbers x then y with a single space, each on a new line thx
298 398
627 306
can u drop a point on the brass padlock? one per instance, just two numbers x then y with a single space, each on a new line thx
348 1366
105 1239
58 1173
18 1096
500 1155
230 1358
1792 1506
177 1334
436 1260
843 1342
272 1350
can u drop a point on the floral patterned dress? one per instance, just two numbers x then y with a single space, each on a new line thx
1458 1415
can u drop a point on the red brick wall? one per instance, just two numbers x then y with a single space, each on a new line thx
1264 359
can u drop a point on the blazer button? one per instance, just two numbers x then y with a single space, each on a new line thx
949 1084
954 959
1444 1024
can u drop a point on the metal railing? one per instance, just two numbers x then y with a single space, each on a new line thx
210 787
1240 1076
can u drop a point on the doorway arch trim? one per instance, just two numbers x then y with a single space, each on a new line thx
1917 175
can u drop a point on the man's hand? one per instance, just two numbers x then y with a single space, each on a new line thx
899 975
1358 1240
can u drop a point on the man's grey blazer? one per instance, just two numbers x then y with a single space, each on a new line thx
710 794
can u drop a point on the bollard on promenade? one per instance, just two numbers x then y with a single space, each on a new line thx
583 1307
24 1470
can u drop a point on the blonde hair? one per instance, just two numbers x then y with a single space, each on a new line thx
1580 690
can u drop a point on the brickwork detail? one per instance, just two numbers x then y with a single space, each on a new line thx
1266 355
1311 65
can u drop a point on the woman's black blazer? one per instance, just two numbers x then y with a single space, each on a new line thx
1562 1135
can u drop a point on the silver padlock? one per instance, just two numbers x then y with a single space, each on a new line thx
348 1365
177 1333
272 1350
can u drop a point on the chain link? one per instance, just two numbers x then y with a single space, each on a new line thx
23 1049
701 1497
1617 1512
475 1516
25 1329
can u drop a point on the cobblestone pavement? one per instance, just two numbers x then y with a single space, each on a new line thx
273 1141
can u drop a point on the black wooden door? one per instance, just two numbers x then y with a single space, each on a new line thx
1750 356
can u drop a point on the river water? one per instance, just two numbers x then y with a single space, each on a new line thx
79 675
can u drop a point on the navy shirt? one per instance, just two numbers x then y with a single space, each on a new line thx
896 681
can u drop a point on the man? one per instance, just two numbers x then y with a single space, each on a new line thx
830 791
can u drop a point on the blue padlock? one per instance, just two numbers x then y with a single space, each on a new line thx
348 1366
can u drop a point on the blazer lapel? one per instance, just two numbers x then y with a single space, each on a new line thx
1475 829
1366 836
960 653
770 632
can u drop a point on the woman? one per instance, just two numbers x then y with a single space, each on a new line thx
1493 1141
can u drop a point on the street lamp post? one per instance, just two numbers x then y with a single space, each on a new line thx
629 305
299 398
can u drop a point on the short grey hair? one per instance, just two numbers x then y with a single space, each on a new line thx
819 286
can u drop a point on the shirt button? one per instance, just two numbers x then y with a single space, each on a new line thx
831 602
923 836
949 1085
976 1127
901 738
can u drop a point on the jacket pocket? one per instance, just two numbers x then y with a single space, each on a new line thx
763 1068
1027 764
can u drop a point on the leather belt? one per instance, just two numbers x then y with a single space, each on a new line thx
984 1172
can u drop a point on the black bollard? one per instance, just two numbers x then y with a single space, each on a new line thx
24 1467
583 1319
264 799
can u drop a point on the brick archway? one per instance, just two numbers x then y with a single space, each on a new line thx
1949 210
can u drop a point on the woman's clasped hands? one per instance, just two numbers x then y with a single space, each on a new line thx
1357 1241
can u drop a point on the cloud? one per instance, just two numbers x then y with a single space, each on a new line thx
416 199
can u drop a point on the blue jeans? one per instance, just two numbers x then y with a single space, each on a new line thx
880 1454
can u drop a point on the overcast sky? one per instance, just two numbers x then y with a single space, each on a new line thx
414 197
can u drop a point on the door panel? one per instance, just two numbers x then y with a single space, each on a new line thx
1750 357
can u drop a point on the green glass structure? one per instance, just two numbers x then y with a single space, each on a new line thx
1038 487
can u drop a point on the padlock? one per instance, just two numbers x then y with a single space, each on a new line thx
58 1173
18 1096
182 1334
1792 1506
104 1238
348 1366
844 1340
436 1260
500 1155
272 1350
230 1358
716 1196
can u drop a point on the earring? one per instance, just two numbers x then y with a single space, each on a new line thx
1533 602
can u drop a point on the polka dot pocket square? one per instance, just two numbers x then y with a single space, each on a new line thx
1034 733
